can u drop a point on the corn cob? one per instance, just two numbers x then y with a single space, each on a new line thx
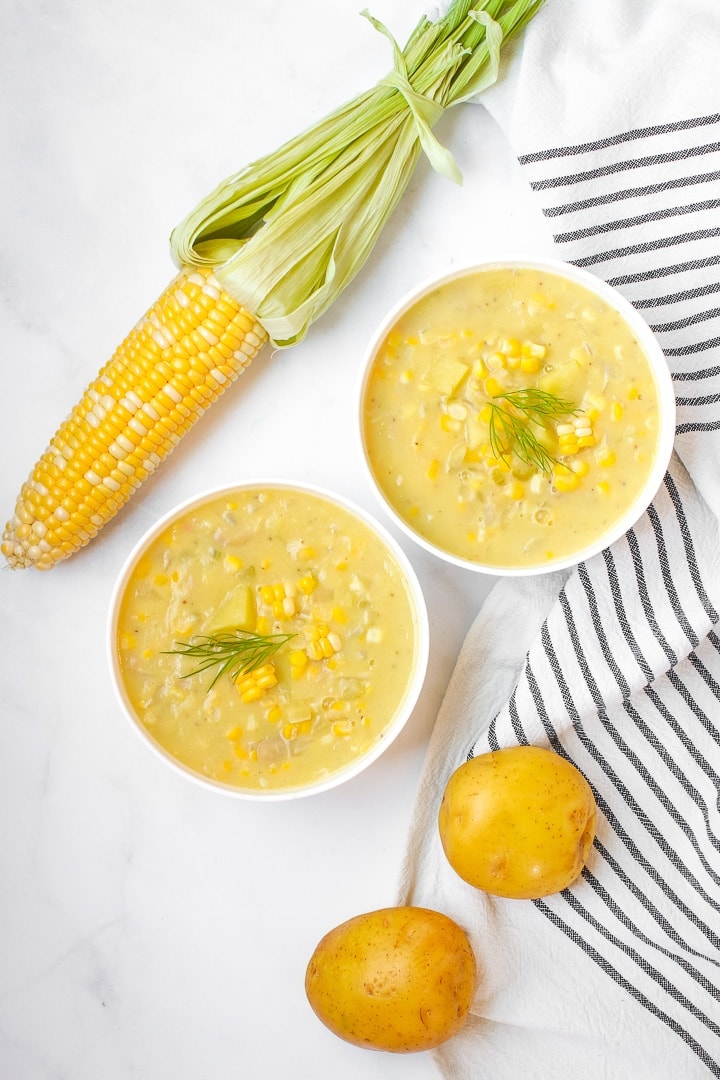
285 236
186 350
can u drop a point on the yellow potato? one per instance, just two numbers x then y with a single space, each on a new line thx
399 979
518 822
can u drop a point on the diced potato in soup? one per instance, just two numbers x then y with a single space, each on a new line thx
510 417
269 560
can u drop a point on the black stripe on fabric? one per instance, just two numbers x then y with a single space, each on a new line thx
664 923
629 987
679 686
667 577
696 376
616 592
698 346
664 271
681 961
643 772
647 968
707 677
639 219
631 193
682 324
689 788
644 594
708 425
600 632
515 720
623 166
689 547
706 399
645 246
621 137
632 848
675 298
595 693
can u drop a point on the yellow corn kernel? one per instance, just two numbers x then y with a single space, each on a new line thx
433 469
479 369
262 626
291 730
564 479
234 733
406 376
161 579
129 419
603 487
342 728
533 348
298 659
274 714
605 457
267 593
265 564
530 364
586 440
516 490
339 615
633 393
252 686
492 386
306 553
314 650
306 584
485 415
616 410
127 642
581 468
232 563
509 346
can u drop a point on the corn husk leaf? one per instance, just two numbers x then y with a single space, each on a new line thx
289 232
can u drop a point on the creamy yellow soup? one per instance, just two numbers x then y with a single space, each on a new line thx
267 562
510 417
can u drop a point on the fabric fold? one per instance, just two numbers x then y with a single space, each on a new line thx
614 112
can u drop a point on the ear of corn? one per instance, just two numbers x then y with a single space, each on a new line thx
187 349
284 237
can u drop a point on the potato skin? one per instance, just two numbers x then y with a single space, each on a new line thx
518 822
399 979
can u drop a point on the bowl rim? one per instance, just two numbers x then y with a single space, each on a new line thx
658 366
412 690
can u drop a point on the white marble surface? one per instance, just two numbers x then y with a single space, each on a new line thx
149 929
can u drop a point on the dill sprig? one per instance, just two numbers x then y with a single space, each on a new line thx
236 652
510 424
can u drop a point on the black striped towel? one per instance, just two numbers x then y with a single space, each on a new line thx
613 107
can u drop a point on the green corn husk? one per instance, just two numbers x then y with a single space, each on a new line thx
288 233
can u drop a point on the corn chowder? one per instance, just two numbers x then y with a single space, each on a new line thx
510 417
290 569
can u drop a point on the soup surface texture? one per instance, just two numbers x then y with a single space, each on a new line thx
268 561
510 417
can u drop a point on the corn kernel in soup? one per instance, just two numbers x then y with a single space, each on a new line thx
268 561
464 364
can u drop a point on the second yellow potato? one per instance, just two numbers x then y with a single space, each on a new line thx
518 822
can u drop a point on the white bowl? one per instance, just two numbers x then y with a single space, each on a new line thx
659 370
393 725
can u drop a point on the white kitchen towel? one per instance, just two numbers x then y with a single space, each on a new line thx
613 108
